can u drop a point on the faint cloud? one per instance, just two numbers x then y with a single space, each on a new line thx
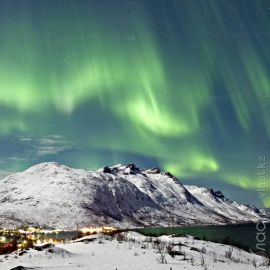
48 145
15 158
51 150
52 145
25 139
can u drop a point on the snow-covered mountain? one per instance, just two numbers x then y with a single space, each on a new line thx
55 196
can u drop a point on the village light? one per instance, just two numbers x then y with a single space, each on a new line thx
93 230
3 239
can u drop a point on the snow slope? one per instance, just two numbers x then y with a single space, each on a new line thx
135 252
55 196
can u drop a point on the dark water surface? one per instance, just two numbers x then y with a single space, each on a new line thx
244 235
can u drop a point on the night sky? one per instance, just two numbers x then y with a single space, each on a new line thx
179 84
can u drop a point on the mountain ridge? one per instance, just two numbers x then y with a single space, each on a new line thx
52 195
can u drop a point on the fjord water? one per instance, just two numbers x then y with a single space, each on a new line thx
247 235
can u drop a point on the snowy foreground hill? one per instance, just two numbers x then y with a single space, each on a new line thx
132 251
51 195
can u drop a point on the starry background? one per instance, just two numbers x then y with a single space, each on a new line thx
179 84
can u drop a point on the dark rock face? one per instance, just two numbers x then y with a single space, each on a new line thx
107 170
155 170
219 194
133 168
20 268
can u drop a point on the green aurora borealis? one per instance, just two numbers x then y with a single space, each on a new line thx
180 84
